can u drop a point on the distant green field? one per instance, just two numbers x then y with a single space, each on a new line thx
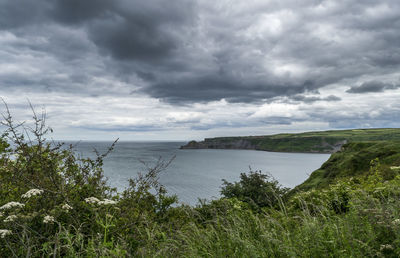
323 141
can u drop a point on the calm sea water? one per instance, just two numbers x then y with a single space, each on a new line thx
197 174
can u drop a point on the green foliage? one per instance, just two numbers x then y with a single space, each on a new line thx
354 160
57 203
257 189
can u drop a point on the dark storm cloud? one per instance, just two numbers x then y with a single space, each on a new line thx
198 51
313 99
215 87
15 14
372 86
128 30
76 11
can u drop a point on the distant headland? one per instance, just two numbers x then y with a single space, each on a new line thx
308 142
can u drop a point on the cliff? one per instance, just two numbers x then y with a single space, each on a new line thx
309 142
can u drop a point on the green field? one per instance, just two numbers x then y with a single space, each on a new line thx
324 141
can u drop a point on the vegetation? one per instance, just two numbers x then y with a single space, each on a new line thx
353 160
320 142
256 189
54 203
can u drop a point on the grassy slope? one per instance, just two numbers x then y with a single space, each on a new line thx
353 160
313 141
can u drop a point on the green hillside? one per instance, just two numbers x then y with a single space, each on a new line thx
354 160
319 142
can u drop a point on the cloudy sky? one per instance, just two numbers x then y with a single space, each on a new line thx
181 70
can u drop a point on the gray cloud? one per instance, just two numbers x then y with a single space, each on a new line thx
75 11
184 51
312 99
372 86
128 30
15 14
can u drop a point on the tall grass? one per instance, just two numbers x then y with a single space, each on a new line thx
371 228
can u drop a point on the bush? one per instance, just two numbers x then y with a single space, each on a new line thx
257 189
54 202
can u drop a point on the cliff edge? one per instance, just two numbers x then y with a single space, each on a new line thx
309 142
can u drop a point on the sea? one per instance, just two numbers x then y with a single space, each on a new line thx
197 174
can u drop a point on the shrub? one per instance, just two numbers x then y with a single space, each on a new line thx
257 189
58 203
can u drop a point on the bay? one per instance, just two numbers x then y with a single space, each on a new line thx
195 174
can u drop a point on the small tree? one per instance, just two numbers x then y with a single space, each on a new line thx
257 189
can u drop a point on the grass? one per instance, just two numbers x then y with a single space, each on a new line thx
369 228
354 160
322 142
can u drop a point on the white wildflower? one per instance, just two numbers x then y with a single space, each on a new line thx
11 218
66 207
92 200
394 167
32 192
48 219
107 202
386 247
11 205
396 222
1 214
5 232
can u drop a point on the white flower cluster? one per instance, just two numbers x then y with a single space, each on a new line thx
107 202
48 219
5 232
11 205
32 192
11 218
66 207
396 222
94 200
386 247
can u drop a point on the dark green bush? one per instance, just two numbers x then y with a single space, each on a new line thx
257 189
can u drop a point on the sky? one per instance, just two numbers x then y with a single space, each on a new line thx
182 70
